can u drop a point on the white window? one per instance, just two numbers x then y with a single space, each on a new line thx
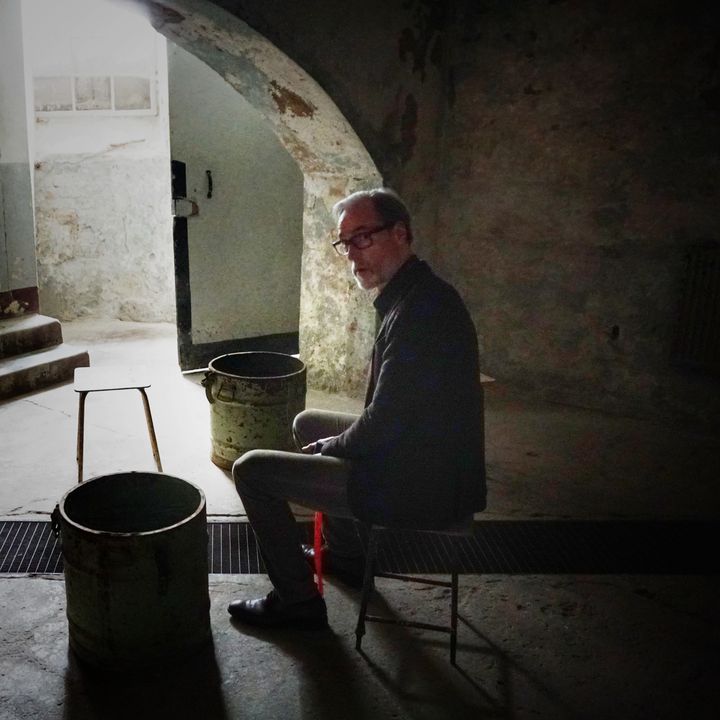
96 94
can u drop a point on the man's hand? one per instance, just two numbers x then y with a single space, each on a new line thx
315 447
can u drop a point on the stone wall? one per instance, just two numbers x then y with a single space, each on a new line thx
581 163
560 159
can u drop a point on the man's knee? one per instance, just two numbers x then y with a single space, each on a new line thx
249 469
300 427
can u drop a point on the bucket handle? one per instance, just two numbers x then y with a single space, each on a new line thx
207 383
55 521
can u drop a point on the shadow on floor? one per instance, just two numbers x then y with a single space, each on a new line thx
397 674
329 686
507 670
184 690
415 668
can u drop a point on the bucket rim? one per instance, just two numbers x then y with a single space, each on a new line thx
302 369
142 533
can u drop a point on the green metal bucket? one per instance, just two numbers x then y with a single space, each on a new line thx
136 569
254 397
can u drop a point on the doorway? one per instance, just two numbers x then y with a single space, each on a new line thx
238 206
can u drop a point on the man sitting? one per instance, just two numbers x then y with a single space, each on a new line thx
412 458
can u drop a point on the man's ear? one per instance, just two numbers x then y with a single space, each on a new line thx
400 232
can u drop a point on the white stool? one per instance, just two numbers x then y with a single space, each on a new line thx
89 379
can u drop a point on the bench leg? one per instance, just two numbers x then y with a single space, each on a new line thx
80 434
151 429
367 587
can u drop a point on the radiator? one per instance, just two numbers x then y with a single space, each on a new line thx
697 340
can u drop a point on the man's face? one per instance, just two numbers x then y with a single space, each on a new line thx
373 266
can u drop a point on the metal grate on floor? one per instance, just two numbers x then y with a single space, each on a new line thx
232 548
29 547
505 547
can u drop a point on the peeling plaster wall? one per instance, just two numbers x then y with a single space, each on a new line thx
582 157
104 241
17 232
104 237
384 63
335 317
102 204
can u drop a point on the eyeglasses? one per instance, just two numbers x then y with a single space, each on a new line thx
361 240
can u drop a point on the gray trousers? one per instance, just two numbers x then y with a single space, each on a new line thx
267 480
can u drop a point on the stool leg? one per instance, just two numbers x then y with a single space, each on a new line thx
453 598
367 587
453 616
80 435
151 429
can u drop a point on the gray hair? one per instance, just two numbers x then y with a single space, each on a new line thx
387 203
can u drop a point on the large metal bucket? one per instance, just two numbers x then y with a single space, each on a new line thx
136 571
253 398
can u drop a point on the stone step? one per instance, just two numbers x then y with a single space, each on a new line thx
28 333
37 370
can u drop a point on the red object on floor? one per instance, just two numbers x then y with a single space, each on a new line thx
317 546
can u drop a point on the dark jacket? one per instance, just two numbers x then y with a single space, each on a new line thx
417 449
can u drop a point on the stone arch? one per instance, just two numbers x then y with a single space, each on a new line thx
337 323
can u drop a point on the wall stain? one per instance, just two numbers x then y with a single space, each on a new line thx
423 41
162 15
408 126
402 120
289 101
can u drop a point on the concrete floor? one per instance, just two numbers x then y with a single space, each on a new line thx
545 646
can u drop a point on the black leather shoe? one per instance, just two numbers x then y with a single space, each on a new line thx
270 611
349 571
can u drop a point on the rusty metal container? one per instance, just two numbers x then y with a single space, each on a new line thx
136 570
254 397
